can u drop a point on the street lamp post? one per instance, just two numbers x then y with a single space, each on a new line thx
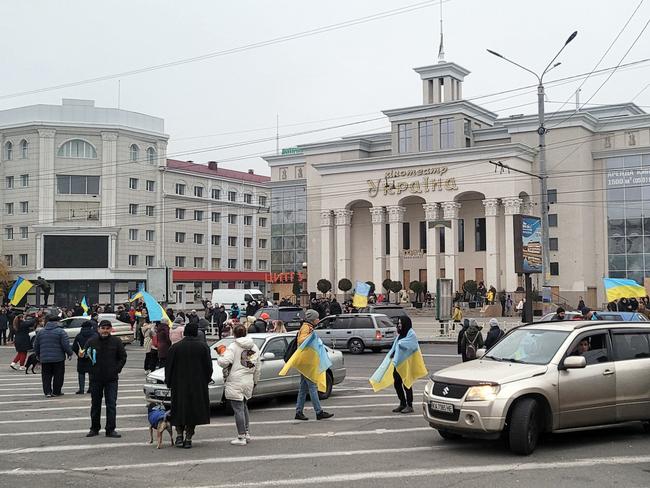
541 133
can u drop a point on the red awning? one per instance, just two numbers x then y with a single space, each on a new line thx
180 275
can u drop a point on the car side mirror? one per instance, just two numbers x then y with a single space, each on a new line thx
480 353
268 355
575 362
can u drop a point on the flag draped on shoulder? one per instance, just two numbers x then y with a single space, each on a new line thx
311 360
405 357
19 290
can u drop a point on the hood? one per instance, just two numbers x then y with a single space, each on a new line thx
245 342
494 323
473 329
52 325
488 371
176 325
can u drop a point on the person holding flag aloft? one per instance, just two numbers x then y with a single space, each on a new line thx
402 366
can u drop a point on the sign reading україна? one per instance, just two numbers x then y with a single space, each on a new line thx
421 180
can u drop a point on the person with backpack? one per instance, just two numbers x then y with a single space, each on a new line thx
471 341
84 363
461 334
494 335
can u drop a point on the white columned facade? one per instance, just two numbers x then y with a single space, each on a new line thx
431 214
46 168
343 254
450 212
378 217
492 272
512 206
395 220
326 250
109 179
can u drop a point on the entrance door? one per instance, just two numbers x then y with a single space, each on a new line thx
555 294
592 297
478 273
180 295
406 279
423 276
461 276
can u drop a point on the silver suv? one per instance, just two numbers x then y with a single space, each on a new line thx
357 331
545 377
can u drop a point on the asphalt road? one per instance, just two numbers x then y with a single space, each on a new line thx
364 445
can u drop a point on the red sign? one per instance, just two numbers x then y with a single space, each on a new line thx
283 277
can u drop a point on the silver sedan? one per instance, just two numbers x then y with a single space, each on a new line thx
272 348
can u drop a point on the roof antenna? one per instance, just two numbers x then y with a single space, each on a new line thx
441 49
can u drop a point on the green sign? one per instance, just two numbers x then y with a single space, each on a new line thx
291 150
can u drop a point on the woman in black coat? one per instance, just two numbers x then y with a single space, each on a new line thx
461 334
22 343
84 364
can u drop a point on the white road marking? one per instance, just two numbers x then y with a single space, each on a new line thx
40 396
85 447
60 401
71 384
456 356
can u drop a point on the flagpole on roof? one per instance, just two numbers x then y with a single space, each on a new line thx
441 48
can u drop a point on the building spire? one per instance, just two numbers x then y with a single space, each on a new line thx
441 49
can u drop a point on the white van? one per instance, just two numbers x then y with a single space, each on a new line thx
241 297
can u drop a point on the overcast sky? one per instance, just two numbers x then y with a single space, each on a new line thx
334 78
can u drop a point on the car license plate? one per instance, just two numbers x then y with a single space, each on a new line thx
161 393
442 407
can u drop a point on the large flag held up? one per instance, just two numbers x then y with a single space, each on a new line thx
361 292
405 357
311 360
19 290
154 309
616 288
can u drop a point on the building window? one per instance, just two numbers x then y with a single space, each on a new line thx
461 235
248 220
248 242
180 213
9 233
9 182
24 232
262 244
180 189
133 234
216 217
425 133
248 264
9 208
262 222
446 133
232 241
134 153
479 234
149 209
552 196
261 200
403 138
552 220
423 236
24 149
262 264
24 180
133 209
150 235
441 239
406 235
198 215
248 198
232 196
9 151
77 149
216 240
151 155
553 243
9 259
24 207
151 185
198 262
216 263
198 191
179 261
180 237
148 261
23 259
133 260
216 194
387 240
198 239
77 185
232 264
555 269
133 183
232 218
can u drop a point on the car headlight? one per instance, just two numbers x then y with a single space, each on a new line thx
482 393
428 388
151 380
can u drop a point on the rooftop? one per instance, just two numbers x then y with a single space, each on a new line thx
212 169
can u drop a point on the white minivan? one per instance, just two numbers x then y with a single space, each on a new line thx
240 296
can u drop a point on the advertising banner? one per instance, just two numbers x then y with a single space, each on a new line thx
528 244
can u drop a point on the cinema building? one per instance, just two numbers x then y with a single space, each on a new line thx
423 201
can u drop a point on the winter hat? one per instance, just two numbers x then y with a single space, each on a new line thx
179 320
494 322
191 330
265 316
311 315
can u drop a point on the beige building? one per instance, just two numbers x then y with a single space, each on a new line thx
423 201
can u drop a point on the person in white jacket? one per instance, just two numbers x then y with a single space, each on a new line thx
240 362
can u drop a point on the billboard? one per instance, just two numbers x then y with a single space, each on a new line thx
528 244
75 251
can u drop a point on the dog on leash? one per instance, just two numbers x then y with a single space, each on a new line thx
32 362
159 420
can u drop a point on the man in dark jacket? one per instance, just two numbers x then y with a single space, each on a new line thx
494 335
51 346
260 324
220 316
187 374
108 357
461 334
335 307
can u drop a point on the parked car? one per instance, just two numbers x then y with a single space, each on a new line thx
545 377
357 331
72 326
606 315
394 312
272 348
290 315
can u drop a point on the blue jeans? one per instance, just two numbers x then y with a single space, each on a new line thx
305 386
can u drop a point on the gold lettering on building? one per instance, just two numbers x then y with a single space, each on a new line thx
431 180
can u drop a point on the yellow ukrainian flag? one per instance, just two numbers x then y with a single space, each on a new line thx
311 360
19 290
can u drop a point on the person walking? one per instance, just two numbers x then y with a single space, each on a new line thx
22 343
108 357
306 385
164 342
83 361
404 394
494 335
4 326
457 314
188 372
461 334
471 341
51 346
241 360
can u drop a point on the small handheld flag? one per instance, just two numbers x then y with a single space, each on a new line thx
84 306
19 290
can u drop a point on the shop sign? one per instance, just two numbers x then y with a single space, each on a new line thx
410 180
283 277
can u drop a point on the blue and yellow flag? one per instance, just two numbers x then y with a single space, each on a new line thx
311 360
405 357
19 290
361 292
84 306
155 311
616 288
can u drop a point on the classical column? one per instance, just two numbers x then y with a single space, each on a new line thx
109 181
450 212
343 254
46 153
492 271
378 217
326 254
395 219
512 206
431 214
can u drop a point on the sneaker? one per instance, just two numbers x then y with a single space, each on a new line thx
92 433
48 395
113 434
179 441
22 368
301 416
187 444
324 415
239 441
247 436
408 409
399 409
13 366
80 392
58 394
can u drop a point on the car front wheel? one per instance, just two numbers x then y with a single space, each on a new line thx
356 346
525 426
